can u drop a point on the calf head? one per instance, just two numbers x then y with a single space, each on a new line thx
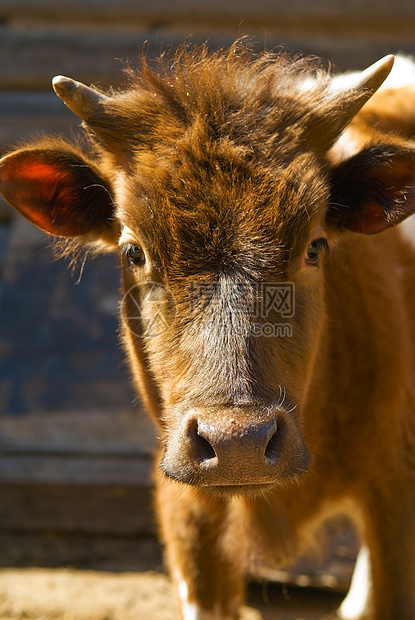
210 177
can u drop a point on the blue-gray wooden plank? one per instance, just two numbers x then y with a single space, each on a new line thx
59 346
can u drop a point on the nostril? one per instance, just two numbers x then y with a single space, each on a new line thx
202 449
271 451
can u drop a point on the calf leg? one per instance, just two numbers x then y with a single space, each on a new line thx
390 535
209 585
356 604
383 584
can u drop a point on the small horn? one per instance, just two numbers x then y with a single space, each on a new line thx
345 102
373 77
352 98
80 99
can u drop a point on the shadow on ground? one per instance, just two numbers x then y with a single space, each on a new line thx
77 577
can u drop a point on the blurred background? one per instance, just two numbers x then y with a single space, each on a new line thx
75 447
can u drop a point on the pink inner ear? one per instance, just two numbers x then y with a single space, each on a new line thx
58 191
37 171
30 185
38 180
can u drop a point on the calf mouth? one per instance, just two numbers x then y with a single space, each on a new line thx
249 491
245 491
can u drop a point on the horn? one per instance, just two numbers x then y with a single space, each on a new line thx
375 75
80 99
344 103
364 86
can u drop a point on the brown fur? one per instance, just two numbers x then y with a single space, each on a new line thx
221 170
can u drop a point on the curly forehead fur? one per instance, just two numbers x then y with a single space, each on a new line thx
216 145
232 94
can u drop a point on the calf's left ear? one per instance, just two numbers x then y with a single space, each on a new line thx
55 186
373 190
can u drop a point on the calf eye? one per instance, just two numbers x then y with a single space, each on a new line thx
314 250
134 254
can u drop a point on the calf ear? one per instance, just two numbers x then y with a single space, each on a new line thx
57 188
373 190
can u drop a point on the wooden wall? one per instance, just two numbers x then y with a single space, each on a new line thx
89 39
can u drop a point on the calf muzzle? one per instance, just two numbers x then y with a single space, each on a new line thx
234 447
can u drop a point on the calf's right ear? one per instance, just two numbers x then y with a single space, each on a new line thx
374 189
55 186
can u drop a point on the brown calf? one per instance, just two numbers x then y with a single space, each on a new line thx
269 332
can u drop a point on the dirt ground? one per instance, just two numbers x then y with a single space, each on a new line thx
56 577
